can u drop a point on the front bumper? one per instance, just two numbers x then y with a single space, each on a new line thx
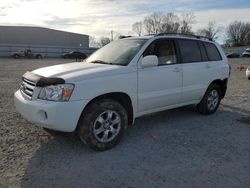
61 116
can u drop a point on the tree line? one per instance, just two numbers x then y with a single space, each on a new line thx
237 33
159 22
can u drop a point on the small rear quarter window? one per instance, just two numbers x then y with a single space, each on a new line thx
203 52
212 52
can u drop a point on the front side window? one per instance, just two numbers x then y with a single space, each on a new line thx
190 51
164 50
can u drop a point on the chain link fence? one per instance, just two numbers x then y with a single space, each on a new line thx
6 50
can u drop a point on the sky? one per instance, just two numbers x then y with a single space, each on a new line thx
98 17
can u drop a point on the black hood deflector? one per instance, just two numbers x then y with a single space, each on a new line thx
41 81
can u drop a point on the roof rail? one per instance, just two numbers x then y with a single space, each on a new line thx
186 35
124 36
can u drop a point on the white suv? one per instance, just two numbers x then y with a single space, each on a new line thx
128 78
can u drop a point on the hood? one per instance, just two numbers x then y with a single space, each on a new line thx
79 71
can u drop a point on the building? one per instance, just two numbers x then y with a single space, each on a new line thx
50 42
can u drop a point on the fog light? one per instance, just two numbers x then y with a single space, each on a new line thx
42 115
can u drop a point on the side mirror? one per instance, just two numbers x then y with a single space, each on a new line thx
149 61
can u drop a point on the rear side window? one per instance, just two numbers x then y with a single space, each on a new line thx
212 52
190 51
203 51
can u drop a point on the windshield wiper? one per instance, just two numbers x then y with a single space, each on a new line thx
100 62
104 62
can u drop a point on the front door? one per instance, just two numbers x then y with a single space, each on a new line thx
160 86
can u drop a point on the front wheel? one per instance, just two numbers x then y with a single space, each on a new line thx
211 100
102 124
16 56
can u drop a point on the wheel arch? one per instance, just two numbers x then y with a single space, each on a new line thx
39 55
222 84
120 97
84 56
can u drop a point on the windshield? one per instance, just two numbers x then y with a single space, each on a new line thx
119 52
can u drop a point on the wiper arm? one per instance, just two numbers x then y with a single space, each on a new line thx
104 62
100 62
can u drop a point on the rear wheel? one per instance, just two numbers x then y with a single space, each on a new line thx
39 56
103 124
211 100
83 56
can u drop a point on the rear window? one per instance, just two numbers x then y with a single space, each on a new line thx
190 51
212 52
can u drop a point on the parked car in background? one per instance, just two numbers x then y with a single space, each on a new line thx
233 55
26 53
74 55
248 72
246 53
126 79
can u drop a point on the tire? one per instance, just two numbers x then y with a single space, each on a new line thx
39 56
16 56
82 57
50 131
102 124
248 78
211 100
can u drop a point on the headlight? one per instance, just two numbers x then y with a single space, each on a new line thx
60 92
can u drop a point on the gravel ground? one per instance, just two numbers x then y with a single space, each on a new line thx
174 148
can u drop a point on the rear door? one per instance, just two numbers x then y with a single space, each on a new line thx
195 70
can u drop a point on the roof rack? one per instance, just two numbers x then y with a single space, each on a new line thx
124 36
186 35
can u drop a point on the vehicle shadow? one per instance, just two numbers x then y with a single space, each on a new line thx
173 148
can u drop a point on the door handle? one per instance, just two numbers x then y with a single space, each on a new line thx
176 69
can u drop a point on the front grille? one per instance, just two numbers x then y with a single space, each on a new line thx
27 88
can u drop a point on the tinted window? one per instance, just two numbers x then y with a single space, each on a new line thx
164 50
190 51
203 52
212 52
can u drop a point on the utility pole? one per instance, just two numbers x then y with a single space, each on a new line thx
112 35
